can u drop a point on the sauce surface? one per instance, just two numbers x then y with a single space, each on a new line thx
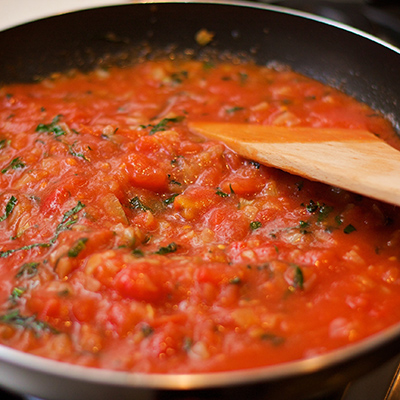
128 243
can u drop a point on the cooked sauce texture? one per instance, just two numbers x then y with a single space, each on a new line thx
129 243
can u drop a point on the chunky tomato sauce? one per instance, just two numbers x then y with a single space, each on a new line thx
129 243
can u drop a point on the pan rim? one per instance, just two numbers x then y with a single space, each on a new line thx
239 3
207 380
193 381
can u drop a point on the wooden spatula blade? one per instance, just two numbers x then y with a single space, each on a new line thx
355 160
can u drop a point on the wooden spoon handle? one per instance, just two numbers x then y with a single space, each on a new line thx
355 160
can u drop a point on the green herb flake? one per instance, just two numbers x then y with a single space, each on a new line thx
75 154
16 293
179 77
173 181
138 253
349 229
255 225
273 339
243 77
162 125
29 269
235 109
298 278
15 163
27 322
299 185
187 344
220 193
78 246
53 127
255 164
339 219
9 208
312 207
171 199
135 203
3 143
70 217
207 65
7 253
235 281
146 330
324 212
302 226
171 248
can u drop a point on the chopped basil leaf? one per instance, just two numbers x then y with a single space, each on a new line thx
137 204
7 253
9 208
75 154
171 248
16 293
146 330
322 209
323 212
234 109
162 125
187 343
243 77
235 281
78 246
311 207
15 163
302 226
171 199
298 278
255 225
208 65
179 77
3 143
299 185
69 218
339 219
220 193
274 339
137 253
349 228
255 164
52 127
32 323
29 269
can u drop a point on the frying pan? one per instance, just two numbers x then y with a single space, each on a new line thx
358 64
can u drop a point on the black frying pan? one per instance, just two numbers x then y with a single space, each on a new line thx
358 64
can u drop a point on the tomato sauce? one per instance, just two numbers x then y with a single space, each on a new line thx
129 243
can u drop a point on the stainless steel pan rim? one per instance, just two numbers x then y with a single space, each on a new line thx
11 359
196 380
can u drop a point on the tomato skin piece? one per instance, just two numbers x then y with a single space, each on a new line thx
228 223
245 181
84 310
142 282
143 173
196 201
54 200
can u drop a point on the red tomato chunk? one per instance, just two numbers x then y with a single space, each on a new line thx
128 243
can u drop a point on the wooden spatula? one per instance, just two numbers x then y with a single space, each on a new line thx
355 160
